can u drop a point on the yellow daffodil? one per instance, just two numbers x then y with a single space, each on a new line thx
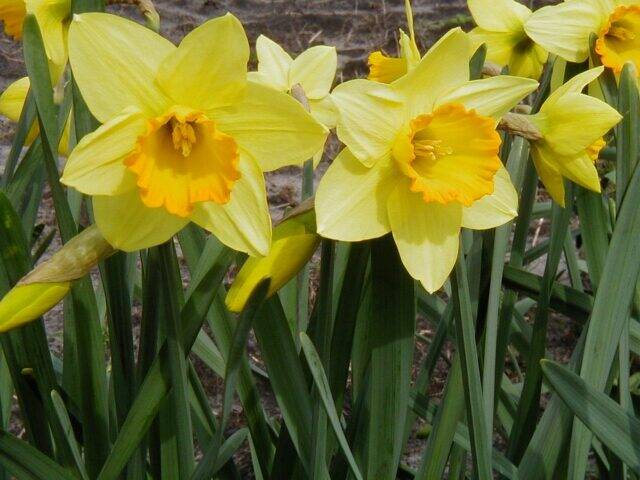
571 125
385 69
565 29
421 159
12 13
314 70
11 104
294 242
185 136
48 283
501 29
53 18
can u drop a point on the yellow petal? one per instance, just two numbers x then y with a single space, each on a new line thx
581 170
13 98
25 303
129 225
243 223
565 29
444 68
408 48
351 201
549 173
574 122
498 15
209 67
273 64
574 85
427 235
53 17
370 117
512 49
273 127
293 246
324 111
96 166
12 13
491 97
115 62
315 69
493 210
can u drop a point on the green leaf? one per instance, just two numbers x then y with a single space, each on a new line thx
615 427
481 439
65 424
391 332
26 462
322 384
234 358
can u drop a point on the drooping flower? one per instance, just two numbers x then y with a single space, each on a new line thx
185 136
565 29
501 29
294 242
53 17
11 104
421 159
314 70
48 283
572 126
385 69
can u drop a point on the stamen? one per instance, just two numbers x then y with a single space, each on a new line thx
432 149
183 136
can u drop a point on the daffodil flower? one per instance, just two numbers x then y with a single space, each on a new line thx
571 126
314 70
185 136
565 29
385 69
294 242
421 159
501 29
11 105
53 17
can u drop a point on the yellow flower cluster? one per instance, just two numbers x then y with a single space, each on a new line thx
187 133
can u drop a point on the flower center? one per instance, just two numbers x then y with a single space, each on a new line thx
183 159
619 40
385 69
450 155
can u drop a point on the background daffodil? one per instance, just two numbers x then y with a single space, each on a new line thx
565 29
11 105
421 159
314 70
385 69
185 136
12 13
571 125
501 28
53 18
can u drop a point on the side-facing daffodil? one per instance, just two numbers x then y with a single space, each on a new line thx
11 104
570 127
48 283
314 70
385 69
421 159
185 136
294 242
501 29
53 18
565 29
